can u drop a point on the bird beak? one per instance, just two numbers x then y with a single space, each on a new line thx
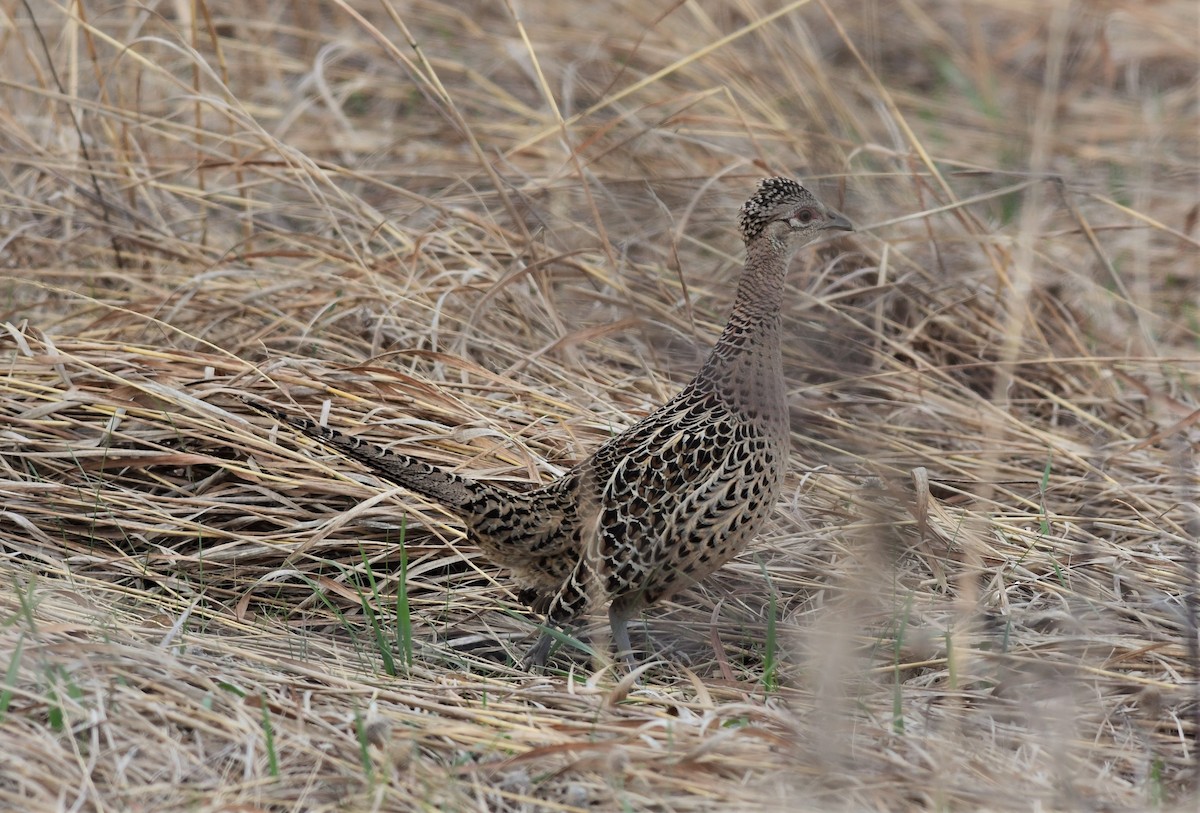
838 222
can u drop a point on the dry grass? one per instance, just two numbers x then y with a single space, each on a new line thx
499 246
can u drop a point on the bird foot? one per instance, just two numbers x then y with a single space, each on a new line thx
535 658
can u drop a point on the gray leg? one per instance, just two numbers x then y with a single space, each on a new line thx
618 621
567 605
536 656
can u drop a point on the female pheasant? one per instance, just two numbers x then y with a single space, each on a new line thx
671 499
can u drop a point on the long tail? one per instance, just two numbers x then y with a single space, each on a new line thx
464 496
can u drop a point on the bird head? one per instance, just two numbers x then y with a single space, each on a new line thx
783 211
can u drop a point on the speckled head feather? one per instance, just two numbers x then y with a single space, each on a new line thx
772 193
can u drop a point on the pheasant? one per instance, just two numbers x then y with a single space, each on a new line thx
669 500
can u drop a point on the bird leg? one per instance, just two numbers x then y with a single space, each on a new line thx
535 658
618 622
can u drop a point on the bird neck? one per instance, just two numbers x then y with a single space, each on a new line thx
760 290
755 320
746 361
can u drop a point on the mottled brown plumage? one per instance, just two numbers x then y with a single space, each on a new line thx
672 498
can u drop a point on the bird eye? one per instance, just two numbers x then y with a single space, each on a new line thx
804 216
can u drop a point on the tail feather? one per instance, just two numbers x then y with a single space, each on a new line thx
460 494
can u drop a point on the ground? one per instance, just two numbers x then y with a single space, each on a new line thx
491 235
